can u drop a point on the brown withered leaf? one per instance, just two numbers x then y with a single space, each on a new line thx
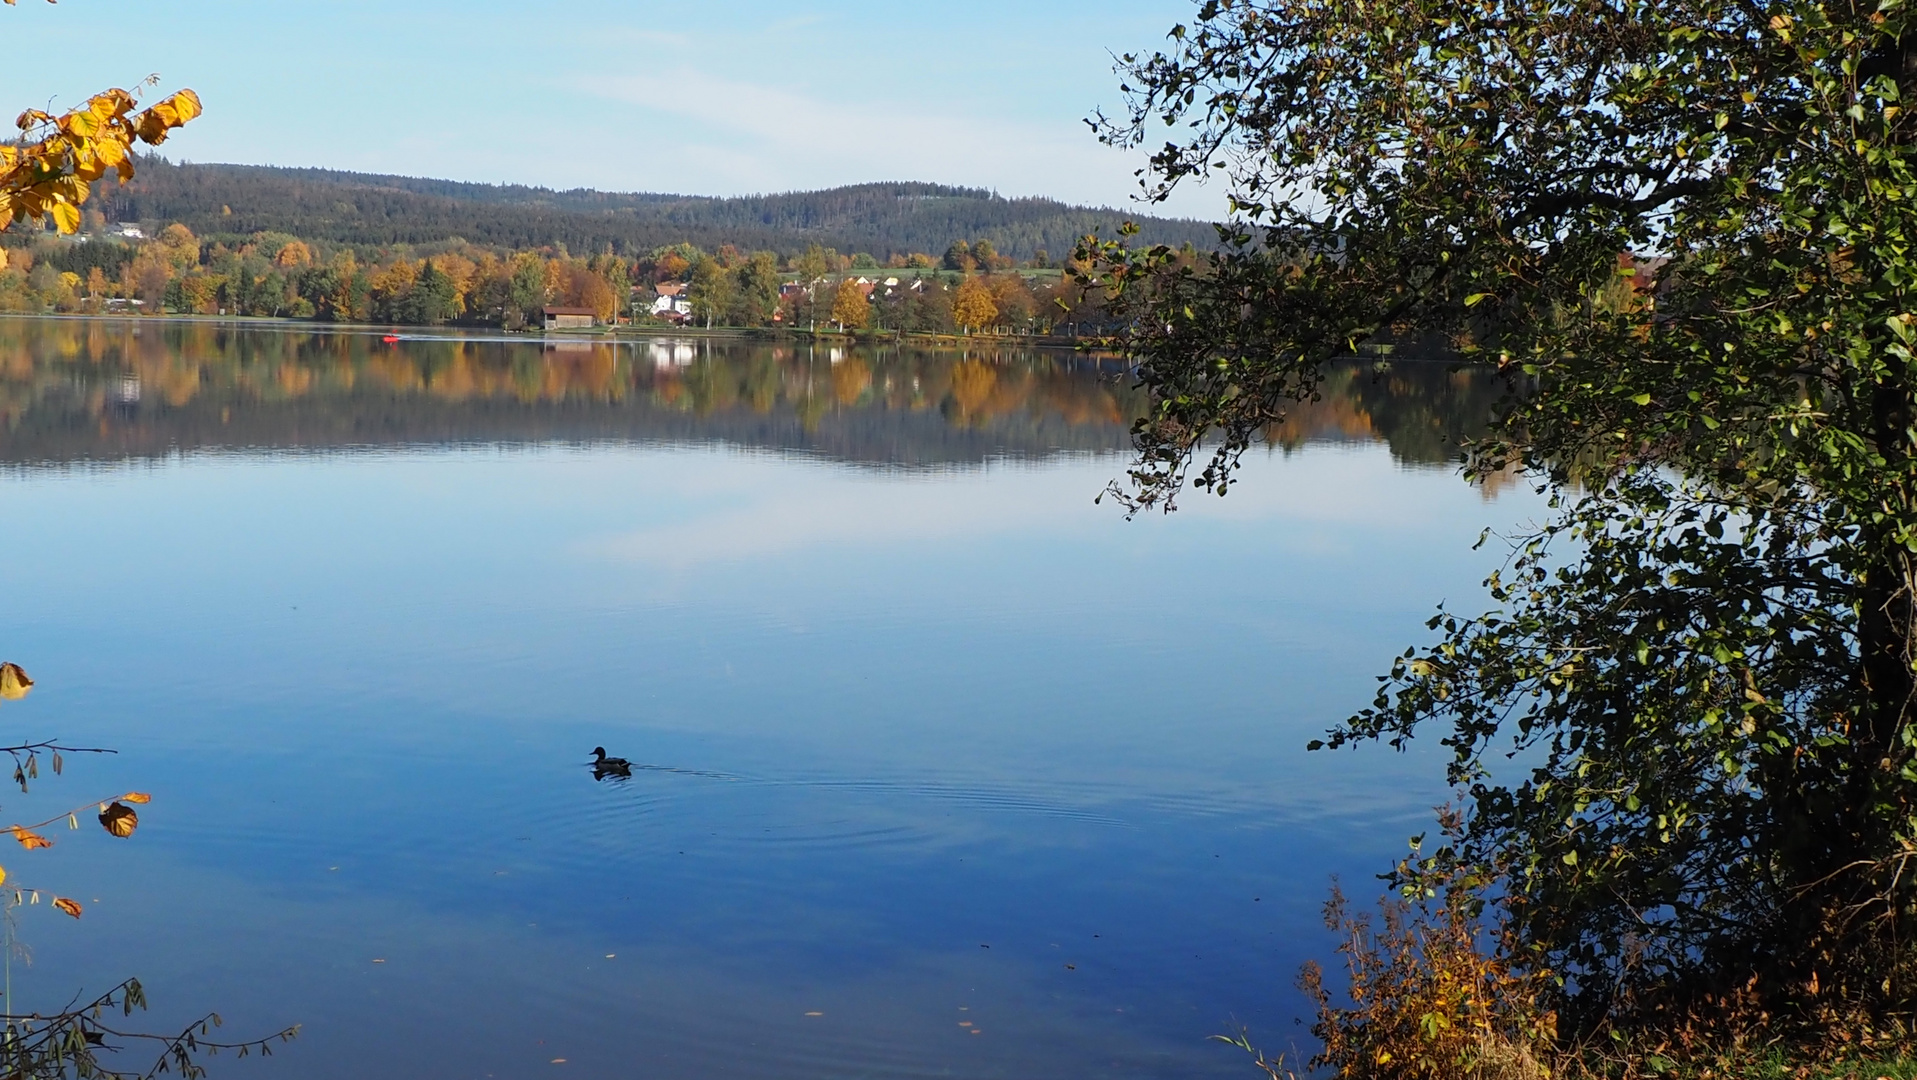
29 839
14 683
120 820
137 797
71 907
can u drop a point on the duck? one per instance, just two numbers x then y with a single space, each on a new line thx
603 766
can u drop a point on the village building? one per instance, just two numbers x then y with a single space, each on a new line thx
569 318
671 301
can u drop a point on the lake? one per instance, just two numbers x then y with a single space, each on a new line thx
940 768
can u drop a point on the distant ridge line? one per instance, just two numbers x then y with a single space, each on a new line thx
882 218
426 184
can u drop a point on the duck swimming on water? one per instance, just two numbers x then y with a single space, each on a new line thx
603 766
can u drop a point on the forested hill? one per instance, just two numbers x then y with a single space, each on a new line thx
355 208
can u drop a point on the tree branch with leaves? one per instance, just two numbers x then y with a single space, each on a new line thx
69 1042
1685 734
49 170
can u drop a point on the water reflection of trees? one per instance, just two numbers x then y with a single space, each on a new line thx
79 389
1424 410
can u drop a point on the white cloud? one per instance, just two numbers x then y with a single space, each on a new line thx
737 133
642 95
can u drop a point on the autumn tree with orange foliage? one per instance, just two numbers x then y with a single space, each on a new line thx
581 286
1013 298
671 266
973 308
392 286
294 255
850 309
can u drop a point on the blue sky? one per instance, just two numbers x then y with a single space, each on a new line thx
719 97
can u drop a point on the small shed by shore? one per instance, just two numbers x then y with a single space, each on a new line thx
569 318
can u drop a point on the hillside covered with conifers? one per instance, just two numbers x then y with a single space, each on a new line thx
357 208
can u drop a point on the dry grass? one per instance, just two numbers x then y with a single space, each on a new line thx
1433 995
1433 992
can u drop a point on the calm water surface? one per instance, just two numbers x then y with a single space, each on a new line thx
941 769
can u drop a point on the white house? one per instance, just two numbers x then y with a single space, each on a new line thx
671 303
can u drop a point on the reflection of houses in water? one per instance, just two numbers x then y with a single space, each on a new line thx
199 385
125 395
673 354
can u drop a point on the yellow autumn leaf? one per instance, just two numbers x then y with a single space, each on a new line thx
71 907
30 839
66 217
186 104
137 797
120 820
14 683
110 150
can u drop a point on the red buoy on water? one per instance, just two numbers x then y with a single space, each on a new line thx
389 338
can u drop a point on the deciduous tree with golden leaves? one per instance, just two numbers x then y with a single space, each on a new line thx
850 308
973 308
294 255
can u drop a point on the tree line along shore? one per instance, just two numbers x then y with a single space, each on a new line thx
969 288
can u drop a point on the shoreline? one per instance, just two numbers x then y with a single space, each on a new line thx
600 333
